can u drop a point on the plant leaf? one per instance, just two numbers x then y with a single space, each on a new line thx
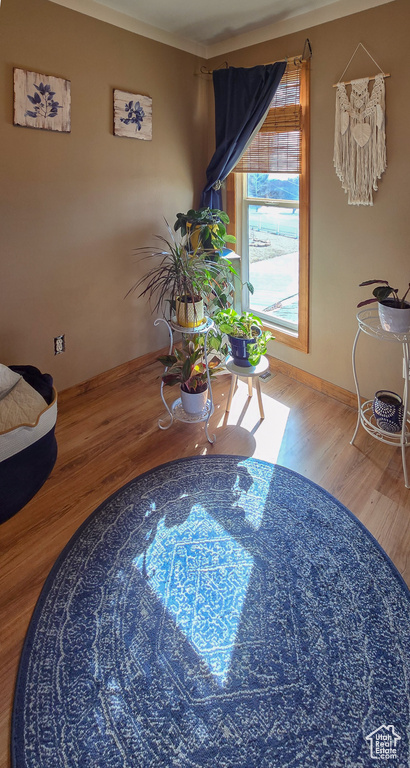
167 360
383 292
171 379
367 301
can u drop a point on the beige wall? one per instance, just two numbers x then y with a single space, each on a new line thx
348 243
74 206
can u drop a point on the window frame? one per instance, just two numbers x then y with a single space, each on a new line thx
237 203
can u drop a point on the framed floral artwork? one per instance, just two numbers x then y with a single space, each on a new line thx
42 101
132 115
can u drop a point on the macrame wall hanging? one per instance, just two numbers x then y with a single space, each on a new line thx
360 139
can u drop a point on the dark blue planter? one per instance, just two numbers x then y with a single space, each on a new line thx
388 410
239 349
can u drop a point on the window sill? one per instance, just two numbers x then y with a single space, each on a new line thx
290 338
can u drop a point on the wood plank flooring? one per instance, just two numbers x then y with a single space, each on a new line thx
109 435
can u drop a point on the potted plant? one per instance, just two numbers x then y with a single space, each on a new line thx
204 229
394 313
246 338
187 368
183 278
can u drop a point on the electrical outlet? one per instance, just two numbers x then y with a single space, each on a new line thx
59 344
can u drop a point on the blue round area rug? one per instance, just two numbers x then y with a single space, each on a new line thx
217 612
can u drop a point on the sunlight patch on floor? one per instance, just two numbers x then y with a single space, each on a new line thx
200 573
252 499
268 432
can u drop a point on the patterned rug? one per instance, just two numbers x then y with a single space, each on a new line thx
217 612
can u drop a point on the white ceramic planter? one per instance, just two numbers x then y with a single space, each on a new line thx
194 403
189 315
394 319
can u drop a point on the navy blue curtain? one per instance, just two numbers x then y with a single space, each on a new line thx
242 99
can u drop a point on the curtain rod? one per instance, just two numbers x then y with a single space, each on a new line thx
307 48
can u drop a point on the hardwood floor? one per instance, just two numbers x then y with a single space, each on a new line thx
108 435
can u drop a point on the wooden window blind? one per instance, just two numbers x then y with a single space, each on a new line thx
277 147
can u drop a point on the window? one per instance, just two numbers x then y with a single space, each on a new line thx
268 198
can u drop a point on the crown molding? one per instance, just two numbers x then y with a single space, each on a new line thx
131 24
298 23
295 23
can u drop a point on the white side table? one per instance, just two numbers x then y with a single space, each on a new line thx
250 373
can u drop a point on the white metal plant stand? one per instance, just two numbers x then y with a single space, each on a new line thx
177 412
368 322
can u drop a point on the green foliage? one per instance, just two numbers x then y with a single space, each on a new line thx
180 272
189 269
256 350
177 273
187 367
216 345
204 229
231 322
382 293
244 326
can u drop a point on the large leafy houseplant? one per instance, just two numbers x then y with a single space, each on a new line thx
246 327
204 232
204 229
239 325
175 273
180 273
